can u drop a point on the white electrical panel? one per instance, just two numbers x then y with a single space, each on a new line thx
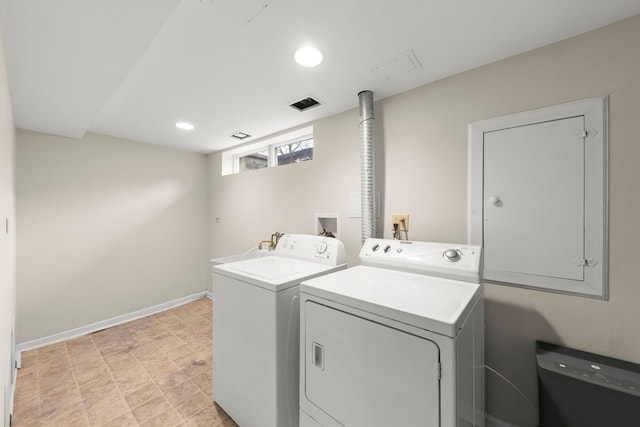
537 197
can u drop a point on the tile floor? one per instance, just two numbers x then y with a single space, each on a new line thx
154 371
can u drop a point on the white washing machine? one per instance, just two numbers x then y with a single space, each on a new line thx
256 335
395 341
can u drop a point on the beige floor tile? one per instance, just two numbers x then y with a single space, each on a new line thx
59 400
98 392
90 356
58 390
178 352
91 372
81 421
147 353
107 410
180 393
57 364
115 353
160 368
28 385
134 373
126 363
204 382
169 342
168 418
61 414
199 322
158 332
173 380
150 409
27 412
61 378
25 397
131 380
28 356
53 351
206 418
193 405
176 322
126 420
81 341
105 340
29 367
133 339
142 395
197 368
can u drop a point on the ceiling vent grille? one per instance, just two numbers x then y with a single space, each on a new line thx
305 104
240 135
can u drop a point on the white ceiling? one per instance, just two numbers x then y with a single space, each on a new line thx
132 68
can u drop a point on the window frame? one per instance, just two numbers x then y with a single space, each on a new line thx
231 158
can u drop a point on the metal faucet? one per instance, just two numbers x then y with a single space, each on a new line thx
275 238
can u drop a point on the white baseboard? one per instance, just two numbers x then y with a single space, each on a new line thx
108 323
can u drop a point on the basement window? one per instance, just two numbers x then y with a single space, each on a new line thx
288 148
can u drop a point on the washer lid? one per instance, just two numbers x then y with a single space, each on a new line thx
273 272
430 303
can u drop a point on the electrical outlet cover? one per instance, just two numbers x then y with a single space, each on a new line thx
397 219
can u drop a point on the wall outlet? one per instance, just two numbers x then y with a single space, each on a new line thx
402 220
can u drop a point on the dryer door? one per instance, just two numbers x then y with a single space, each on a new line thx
362 373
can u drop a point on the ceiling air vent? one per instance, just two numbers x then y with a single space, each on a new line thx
240 135
305 104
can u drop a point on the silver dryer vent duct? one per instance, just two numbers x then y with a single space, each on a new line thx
367 166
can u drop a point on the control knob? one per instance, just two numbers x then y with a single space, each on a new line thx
451 255
321 247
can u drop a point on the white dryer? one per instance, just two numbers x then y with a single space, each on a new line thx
395 341
256 335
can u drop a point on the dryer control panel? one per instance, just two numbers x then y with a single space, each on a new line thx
447 260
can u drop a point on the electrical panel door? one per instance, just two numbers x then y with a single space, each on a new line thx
534 200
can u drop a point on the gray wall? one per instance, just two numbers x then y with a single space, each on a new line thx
422 171
7 241
105 227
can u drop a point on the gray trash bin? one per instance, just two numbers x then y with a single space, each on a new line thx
580 389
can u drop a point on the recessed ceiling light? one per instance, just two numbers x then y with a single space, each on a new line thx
185 126
308 56
241 135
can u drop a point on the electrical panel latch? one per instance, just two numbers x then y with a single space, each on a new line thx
587 262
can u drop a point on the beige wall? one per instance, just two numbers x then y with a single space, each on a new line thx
105 227
422 170
7 240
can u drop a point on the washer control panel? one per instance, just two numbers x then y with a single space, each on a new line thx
324 250
449 260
